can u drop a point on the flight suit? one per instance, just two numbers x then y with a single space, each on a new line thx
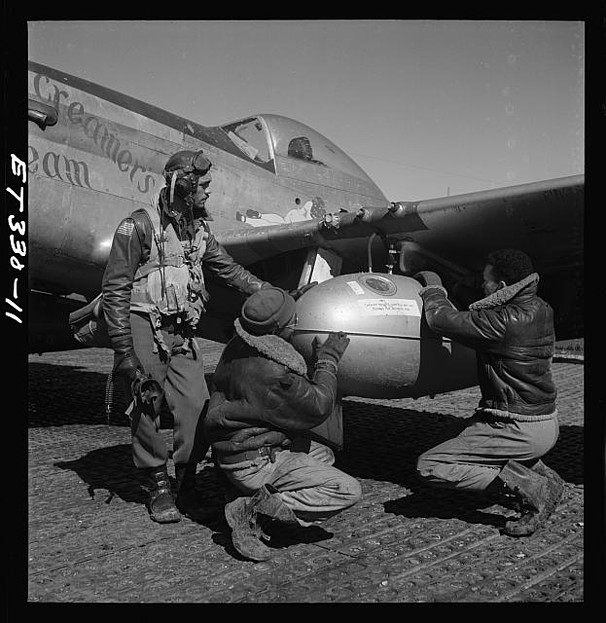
153 291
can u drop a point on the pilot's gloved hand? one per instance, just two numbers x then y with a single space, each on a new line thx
428 278
302 290
333 348
126 362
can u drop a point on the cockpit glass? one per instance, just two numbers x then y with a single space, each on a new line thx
250 137
276 143
296 141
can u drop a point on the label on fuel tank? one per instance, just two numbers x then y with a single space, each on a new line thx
389 307
356 287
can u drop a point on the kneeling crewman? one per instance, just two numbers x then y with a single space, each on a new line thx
499 451
259 418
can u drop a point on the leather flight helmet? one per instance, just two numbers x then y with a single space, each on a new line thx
183 170
188 162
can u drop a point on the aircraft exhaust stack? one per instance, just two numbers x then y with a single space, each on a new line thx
392 352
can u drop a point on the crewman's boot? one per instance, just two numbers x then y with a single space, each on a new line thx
538 496
187 499
270 504
544 470
505 496
161 504
499 493
241 516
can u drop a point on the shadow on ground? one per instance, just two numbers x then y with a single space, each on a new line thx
63 394
109 472
382 443
59 395
450 505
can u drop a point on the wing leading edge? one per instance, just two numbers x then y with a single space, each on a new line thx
453 235
544 219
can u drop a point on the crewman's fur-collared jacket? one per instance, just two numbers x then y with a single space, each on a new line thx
263 395
512 333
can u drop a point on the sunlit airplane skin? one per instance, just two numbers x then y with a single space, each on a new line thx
286 202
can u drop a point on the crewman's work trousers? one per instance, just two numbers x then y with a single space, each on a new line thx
307 483
181 376
473 459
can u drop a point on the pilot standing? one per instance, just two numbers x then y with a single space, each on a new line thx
500 449
153 299
259 420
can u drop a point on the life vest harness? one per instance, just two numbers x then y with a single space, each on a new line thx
169 287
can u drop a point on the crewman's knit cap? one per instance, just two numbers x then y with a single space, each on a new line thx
267 311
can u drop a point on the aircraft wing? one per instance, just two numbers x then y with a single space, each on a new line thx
451 235
544 219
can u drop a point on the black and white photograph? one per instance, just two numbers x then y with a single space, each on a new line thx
303 302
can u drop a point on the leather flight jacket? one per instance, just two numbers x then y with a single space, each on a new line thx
131 250
513 335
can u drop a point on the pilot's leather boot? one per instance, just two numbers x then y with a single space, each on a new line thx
161 505
187 499
538 496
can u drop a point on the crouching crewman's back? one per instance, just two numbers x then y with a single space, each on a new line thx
261 411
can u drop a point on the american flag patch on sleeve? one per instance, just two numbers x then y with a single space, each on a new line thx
126 228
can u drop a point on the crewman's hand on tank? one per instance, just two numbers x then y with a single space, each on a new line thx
334 346
302 290
428 278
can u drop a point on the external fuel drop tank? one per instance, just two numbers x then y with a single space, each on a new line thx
392 352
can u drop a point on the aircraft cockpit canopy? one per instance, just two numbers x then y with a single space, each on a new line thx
277 140
250 136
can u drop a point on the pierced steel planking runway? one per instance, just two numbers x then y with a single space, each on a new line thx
91 540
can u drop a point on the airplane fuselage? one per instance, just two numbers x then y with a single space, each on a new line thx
104 157
293 207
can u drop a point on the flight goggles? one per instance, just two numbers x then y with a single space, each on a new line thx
200 164
186 163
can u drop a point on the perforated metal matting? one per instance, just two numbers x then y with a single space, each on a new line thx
90 538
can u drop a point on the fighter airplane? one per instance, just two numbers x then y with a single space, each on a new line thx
292 207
